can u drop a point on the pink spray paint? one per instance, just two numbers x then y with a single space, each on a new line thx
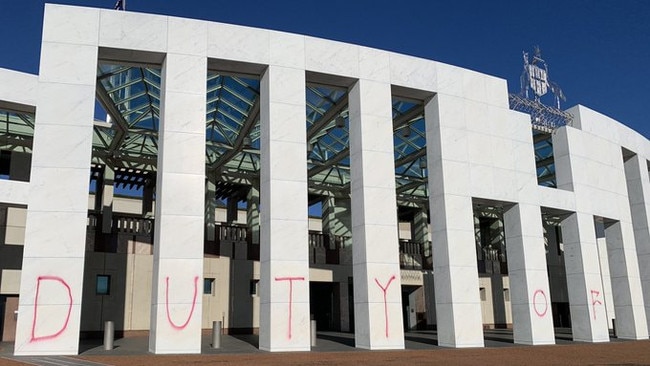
384 289
290 279
595 301
169 318
539 313
67 318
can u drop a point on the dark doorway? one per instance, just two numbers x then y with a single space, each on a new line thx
324 299
405 309
561 315
351 303
2 315
9 305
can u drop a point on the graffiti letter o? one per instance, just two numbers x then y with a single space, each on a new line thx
539 313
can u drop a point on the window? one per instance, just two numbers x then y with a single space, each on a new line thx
255 287
506 294
483 295
208 286
103 285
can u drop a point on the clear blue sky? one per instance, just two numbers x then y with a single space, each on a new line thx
598 51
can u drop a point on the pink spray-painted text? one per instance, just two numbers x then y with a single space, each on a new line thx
40 279
290 279
595 301
189 317
540 302
384 289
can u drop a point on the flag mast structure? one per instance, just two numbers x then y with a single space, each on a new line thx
120 5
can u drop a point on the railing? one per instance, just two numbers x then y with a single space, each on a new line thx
132 225
492 261
121 224
415 255
325 248
231 232
238 239
129 224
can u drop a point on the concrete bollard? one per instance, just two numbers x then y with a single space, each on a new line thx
313 333
109 335
216 334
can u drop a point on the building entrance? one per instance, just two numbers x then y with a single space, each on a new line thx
8 313
324 299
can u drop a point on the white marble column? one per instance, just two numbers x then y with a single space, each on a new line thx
420 227
210 214
375 246
232 210
336 216
107 191
529 288
253 213
458 303
626 281
49 307
586 300
147 197
638 188
284 256
179 219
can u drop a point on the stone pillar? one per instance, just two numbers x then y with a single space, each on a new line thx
420 227
232 210
99 191
638 188
337 220
147 197
107 199
458 303
210 214
178 238
605 277
51 284
284 256
253 213
529 289
375 248
336 216
20 166
588 315
626 281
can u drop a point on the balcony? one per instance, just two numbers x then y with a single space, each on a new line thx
235 241
415 255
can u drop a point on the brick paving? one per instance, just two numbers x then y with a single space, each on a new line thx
338 349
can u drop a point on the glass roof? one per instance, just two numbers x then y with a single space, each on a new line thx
328 158
128 140
409 139
544 161
131 97
16 131
232 123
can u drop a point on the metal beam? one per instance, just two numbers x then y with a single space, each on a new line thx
410 157
116 115
238 145
411 185
334 111
412 113
329 162
545 162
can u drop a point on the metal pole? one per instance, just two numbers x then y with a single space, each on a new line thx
313 333
216 334
109 335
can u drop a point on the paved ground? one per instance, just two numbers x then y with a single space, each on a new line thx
338 349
